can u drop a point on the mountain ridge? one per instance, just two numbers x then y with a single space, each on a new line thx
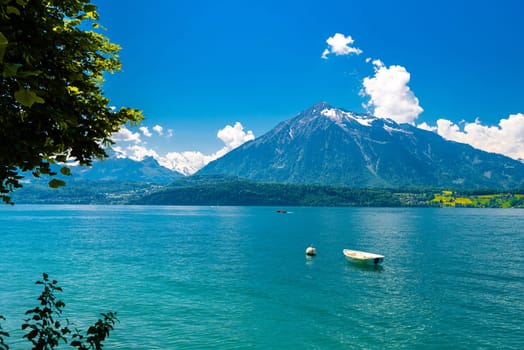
125 169
331 146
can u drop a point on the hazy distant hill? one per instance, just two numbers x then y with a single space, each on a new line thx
111 181
124 169
329 146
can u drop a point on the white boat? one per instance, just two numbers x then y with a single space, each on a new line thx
359 257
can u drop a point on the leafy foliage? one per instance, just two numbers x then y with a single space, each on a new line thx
225 190
52 108
480 199
96 334
46 330
219 190
84 192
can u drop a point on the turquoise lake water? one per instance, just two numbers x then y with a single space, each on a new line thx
238 278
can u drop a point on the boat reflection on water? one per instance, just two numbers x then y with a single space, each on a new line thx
364 267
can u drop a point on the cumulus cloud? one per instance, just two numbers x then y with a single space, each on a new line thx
426 126
377 63
119 151
145 131
506 138
131 146
234 136
388 91
125 135
139 152
190 162
340 45
389 94
158 129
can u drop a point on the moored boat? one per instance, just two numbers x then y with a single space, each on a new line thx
356 256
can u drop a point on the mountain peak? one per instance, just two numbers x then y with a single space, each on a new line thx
320 105
331 146
341 116
344 119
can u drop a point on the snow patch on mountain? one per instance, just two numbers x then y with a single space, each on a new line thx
391 130
339 117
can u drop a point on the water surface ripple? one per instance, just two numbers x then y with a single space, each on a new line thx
237 277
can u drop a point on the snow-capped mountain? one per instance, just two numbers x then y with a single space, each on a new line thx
125 169
330 146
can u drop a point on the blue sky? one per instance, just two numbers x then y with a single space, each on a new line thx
195 67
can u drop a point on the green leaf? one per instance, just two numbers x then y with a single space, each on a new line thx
11 10
89 8
10 69
3 45
65 171
27 98
26 73
31 334
55 183
61 158
59 49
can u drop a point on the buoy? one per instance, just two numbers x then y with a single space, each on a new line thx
311 251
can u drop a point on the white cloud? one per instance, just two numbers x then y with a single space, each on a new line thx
158 129
145 131
391 97
126 135
234 136
389 94
377 63
426 126
138 152
131 146
119 151
506 138
190 162
339 44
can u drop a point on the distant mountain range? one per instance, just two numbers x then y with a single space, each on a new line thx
126 170
322 156
109 181
329 146
322 146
